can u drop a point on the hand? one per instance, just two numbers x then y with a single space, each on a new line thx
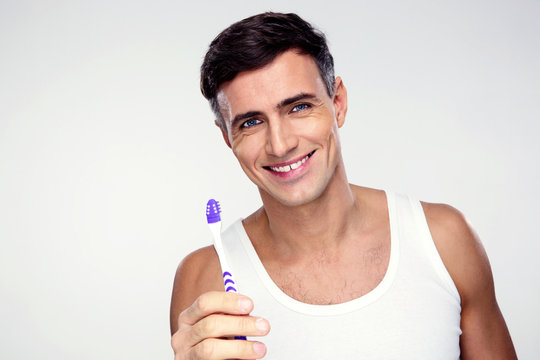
203 326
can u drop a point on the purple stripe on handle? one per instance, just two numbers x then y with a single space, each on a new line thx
226 273
228 281
230 288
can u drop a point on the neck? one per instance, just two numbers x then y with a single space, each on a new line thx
321 225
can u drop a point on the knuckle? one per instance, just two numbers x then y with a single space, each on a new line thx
244 323
210 325
197 331
175 341
178 343
182 316
203 303
206 349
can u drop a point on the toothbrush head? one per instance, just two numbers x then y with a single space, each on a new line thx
213 211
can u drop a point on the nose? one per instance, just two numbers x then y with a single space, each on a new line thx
280 138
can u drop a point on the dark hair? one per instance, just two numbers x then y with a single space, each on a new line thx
253 43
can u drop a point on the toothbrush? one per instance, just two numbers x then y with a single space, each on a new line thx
213 217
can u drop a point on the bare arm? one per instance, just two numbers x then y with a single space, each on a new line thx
198 273
484 331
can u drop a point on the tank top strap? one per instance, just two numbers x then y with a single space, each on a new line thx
419 248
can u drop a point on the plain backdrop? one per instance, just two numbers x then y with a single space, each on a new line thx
108 152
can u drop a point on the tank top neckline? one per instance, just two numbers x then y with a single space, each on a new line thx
332 309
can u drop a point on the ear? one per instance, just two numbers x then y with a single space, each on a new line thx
223 133
340 101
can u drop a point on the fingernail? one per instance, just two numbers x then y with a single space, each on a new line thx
259 348
262 325
244 304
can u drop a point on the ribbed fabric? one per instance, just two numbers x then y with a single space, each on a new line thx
413 313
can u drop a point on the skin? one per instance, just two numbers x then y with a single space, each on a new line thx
276 116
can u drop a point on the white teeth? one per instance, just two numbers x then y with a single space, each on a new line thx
289 167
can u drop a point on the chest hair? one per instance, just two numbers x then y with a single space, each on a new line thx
327 280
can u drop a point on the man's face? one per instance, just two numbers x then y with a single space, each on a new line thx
283 127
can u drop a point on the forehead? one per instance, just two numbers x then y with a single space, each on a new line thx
289 74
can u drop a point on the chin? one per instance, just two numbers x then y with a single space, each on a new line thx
295 199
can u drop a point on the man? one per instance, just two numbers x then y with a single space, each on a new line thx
337 270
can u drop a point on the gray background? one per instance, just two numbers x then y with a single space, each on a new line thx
108 152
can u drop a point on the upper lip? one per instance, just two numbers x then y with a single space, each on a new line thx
295 160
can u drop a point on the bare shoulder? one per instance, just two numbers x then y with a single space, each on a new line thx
460 249
484 331
447 220
199 272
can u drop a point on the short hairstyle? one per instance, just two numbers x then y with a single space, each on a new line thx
256 41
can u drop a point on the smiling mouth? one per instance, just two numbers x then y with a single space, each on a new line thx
291 166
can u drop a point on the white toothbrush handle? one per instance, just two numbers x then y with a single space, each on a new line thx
228 281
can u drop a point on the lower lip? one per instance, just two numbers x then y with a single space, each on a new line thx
293 172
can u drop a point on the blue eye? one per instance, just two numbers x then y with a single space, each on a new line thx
300 107
250 123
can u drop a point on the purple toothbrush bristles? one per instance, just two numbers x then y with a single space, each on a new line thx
213 211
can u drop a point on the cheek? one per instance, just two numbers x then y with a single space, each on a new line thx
246 150
319 131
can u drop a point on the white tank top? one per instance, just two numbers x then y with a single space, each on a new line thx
413 313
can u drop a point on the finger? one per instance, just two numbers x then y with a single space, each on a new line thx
219 325
215 302
211 349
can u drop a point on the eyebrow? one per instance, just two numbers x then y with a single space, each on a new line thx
293 99
244 116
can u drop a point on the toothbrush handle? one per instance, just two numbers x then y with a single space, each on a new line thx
229 286
228 282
